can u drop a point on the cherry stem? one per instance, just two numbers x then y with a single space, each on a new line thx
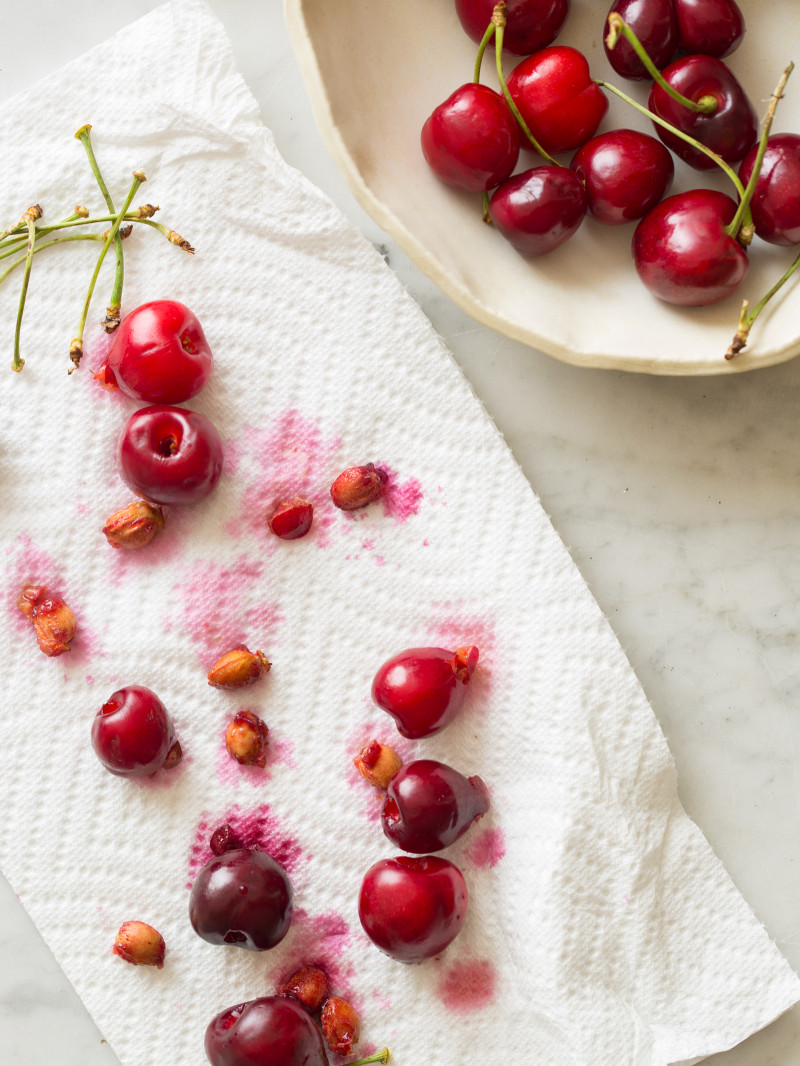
380 1056
111 320
42 245
476 77
736 224
140 214
29 218
617 26
748 317
499 21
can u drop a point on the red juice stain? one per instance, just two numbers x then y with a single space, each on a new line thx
318 940
402 499
467 985
485 847
252 826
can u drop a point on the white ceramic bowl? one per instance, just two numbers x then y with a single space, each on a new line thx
375 69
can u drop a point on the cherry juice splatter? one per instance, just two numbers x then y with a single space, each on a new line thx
485 848
466 985
252 827
402 499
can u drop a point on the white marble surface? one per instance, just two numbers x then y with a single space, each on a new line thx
679 500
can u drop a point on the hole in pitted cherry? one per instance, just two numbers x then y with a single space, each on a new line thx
168 445
188 344
234 937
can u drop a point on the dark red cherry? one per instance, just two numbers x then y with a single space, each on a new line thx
776 201
557 98
713 27
242 897
471 141
273 1031
682 252
654 23
429 805
412 908
530 24
423 688
625 173
539 209
730 131
133 735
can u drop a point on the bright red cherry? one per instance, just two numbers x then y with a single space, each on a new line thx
713 27
539 209
412 908
133 735
682 252
423 688
272 1031
530 24
730 131
170 455
625 174
242 897
655 25
471 141
776 201
557 98
429 805
160 354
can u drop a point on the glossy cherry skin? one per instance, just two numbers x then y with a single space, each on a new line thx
412 907
423 688
539 209
625 174
471 141
530 24
160 353
654 23
557 98
242 897
776 201
429 805
272 1031
713 27
170 455
682 252
132 733
730 131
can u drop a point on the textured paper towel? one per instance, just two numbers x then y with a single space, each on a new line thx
601 929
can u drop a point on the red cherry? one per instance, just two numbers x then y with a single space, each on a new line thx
429 805
412 908
682 252
654 23
625 174
273 1031
539 209
170 455
730 131
471 141
160 354
776 200
242 897
133 735
423 688
292 519
713 27
530 24
557 98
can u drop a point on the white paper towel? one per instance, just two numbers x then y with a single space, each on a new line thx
601 930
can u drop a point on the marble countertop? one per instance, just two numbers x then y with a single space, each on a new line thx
678 499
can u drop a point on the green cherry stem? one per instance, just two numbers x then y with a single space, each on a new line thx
748 317
30 217
111 321
82 218
380 1056
42 246
476 77
76 347
617 27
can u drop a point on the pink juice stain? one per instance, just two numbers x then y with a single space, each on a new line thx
467 985
253 827
318 940
289 458
402 499
485 847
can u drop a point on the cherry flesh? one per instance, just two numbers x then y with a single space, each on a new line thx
411 908
160 353
429 805
730 131
682 252
530 24
539 209
133 734
776 200
170 455
655 25
625 174
272 1031
557 98
424 688
713 27
471 141
292 519
242 897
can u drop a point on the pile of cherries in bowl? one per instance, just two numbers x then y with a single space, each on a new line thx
690 248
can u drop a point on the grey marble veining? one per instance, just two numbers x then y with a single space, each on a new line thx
679 500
